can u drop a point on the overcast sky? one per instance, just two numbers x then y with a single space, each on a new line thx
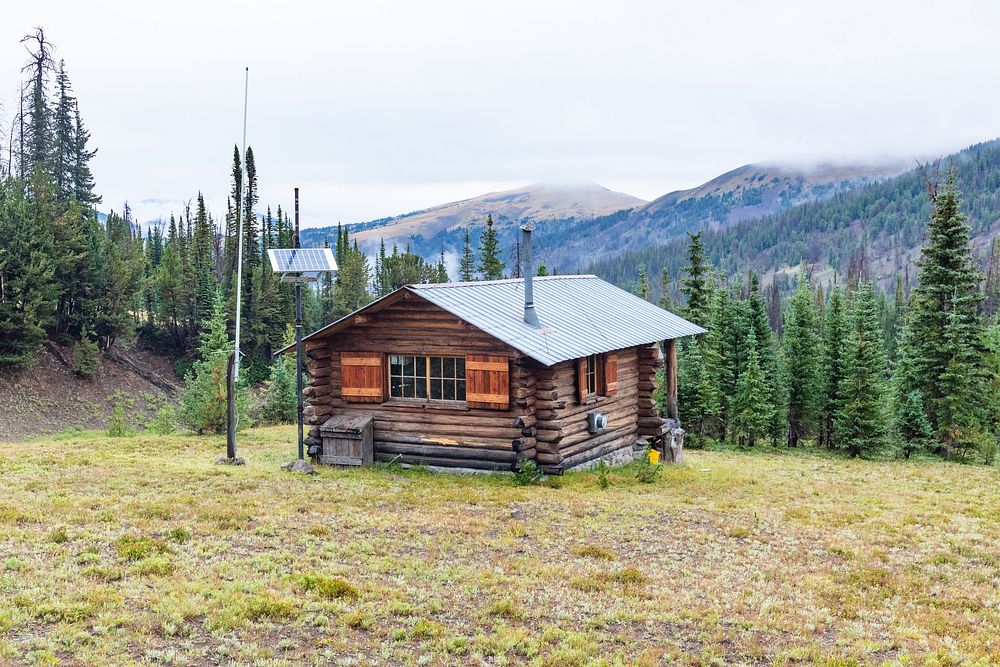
378 108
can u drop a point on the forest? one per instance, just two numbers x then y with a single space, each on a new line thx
843 362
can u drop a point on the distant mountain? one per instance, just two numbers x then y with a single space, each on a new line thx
748 192
877 228
539 202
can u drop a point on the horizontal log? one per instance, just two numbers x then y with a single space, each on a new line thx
525 421
526 402
596 453
527 454
549 459
319 353
517 444
410 459
529 431
319 380
597 440
317 390
550 405
451 431
546 435
583 436
549 447
315 344
438 451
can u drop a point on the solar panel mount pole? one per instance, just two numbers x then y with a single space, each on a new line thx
298 335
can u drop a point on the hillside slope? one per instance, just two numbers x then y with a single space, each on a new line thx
538 202
49 398
880 226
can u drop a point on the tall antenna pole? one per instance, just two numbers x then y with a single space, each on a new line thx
239 226
232 414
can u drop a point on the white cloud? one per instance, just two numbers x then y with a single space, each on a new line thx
378 108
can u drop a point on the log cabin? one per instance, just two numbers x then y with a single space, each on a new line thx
478 375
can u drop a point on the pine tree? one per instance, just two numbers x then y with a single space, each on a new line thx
947 336
695 286
83 178
664 289
203 400
542 271
860 426
29 293
834 365
466 268
642 284
490 264
802 356
63 145
752 404
86 357
36 136
280 397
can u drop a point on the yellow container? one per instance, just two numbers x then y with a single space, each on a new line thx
654 456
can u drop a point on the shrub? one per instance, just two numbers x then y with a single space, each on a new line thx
280 397
118 422
602 471
330 588
527 474
132 548
646 472
86 357
165 420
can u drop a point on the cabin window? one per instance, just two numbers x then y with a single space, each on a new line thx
433 378
591 372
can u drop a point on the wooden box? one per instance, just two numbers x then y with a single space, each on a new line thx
348 440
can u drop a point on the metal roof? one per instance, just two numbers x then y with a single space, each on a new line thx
579 315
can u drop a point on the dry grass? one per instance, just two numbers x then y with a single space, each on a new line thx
140 550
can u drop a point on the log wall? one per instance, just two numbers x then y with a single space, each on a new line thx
563 438
425 433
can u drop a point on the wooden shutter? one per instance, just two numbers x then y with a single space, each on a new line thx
610 374
487 382
362 377
581 380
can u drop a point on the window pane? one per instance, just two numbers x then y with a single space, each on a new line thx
460 390
449 390
460 372
436 389
421 387
421 364
408 366
449 367
396 387
435 367
408 387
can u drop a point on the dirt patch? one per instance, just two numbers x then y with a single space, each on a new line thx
48 398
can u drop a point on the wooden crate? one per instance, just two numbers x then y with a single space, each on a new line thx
348 440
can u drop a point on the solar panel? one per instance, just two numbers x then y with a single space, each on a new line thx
301 260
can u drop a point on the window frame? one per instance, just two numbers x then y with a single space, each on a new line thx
427 379
596 371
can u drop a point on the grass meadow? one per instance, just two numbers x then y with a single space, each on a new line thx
141 551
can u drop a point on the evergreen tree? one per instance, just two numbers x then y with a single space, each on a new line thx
280 391
83 178
86 357
542 271
29 294
802 357
947 337
203 400
664 289
36 135
860 426
63 145
834 366
695 286
642 285
466 268
490 264
752 404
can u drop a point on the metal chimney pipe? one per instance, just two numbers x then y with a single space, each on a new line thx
529 271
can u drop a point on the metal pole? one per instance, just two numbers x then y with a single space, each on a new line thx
231 410
298 332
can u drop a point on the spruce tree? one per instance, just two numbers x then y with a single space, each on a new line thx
664 302
834 366
695 286
947 337
752 404
860 426
29 296
802 358
490 265
642 284
467 266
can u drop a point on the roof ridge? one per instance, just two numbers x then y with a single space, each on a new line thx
505 281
